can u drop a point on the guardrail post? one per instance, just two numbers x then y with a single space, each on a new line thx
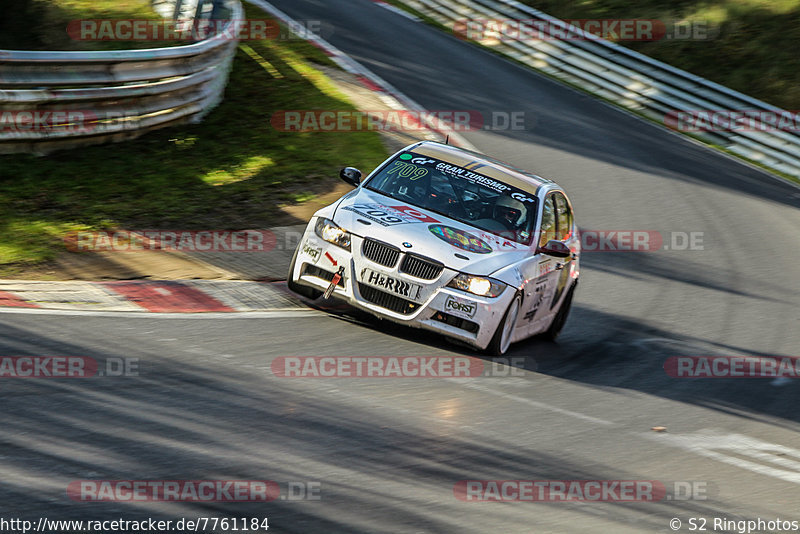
217 8
198 12
176 13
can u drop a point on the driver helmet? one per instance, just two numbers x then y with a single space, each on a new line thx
510 210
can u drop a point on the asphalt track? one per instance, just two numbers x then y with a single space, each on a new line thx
387 453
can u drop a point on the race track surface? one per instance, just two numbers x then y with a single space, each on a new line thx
388 452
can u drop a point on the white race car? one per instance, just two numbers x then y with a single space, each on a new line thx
448 240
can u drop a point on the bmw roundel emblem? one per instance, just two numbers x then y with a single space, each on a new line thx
407 244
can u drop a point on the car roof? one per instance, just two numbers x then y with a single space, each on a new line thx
482 164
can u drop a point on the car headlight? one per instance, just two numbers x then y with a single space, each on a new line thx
330 232
477 285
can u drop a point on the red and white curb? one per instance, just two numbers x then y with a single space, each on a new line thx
180 296
386 91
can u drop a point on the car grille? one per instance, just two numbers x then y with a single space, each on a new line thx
421 267
380 253
387 300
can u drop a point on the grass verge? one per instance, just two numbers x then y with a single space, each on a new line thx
232 171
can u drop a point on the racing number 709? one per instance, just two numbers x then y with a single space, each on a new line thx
408 170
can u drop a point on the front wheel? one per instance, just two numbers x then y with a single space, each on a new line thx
305 291
502 336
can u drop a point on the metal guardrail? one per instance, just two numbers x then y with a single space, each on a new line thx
626 77
114 95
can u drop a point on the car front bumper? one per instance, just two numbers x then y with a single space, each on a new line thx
430 305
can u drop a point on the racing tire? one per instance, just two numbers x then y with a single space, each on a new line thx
551 334
304 291
502 336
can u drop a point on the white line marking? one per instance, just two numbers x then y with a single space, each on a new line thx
731 448
531 402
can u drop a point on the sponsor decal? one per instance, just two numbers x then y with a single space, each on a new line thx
415 213
546 267
472 177
460 239
521 197
399 287
500 240
468 173
538 298
388 216
460 307
314 252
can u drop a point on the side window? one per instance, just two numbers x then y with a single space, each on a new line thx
563 216
548 221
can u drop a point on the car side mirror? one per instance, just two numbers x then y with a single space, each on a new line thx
555 248
351 175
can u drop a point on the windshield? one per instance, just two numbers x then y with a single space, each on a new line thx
459 193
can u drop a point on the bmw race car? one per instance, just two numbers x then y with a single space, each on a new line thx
448 240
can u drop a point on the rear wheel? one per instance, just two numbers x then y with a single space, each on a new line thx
502 336
561 317
305 291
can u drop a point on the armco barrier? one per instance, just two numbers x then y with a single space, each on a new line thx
625 77
115 95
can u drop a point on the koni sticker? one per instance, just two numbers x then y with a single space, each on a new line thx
460 239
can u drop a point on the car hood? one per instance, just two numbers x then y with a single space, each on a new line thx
457 245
